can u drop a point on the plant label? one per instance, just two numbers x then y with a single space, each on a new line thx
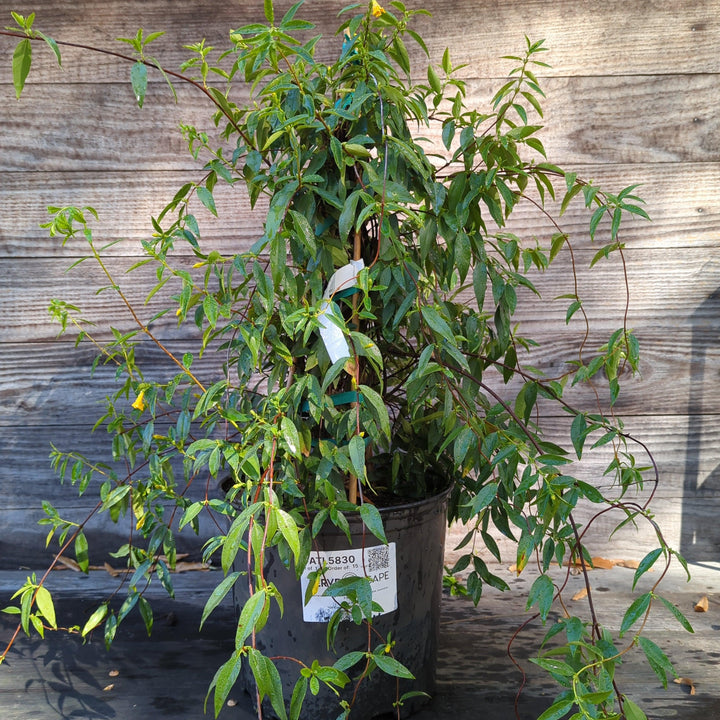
375 563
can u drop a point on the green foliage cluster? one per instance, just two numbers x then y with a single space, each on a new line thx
332 154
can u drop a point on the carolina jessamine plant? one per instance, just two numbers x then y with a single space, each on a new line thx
365 348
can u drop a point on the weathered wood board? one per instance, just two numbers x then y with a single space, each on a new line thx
631 98
476 678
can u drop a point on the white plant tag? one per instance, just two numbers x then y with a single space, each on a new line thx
332 335
379 567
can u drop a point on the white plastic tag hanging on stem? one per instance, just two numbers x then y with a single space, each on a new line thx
331 329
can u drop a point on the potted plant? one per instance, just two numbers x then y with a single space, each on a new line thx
358 375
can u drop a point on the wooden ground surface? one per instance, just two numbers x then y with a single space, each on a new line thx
631 98
168 675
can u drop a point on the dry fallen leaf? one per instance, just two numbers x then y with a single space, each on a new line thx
109 687
231 703
632 564
114 673
189 566
686 681
600 563
68 563
580 594
702 604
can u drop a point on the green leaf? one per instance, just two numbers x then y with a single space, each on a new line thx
290 435
147 614
52 45
373 521
356 447
278 208
541 594
298 697
484 497
81 552
249 615
632 711
268 681
393 667
572 309
207 199
45 605
138 80
635 612
289 530
657 659
95 619
224 680
578 433
677 614
217 595
22 59
269 12
434 80
439 326
375 400
347 216
480 284
645 564
557 710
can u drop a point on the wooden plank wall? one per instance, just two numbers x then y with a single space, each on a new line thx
632 97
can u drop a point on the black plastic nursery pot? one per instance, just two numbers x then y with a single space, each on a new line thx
406 576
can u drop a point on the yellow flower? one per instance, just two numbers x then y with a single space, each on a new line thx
377 10
139 403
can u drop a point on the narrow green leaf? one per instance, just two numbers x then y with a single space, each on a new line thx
224 680
356 447
268 681
147 614
578 433
22 59
347 216
289 530
636 610
45 605
434 80
657 659
290 435
677 614
484 497
52 45
298 697
95 619
645 564
138 80
557 710
439 326
372 398
632 711
541 594
269 12
81 552
207 199
278 208
217 595
393 667
249 616
373 521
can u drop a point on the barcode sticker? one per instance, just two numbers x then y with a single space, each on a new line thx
376 563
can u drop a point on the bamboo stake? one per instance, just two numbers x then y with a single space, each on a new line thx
357 254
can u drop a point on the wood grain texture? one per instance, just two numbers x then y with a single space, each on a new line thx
643 37
98 127
631 98
681 198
